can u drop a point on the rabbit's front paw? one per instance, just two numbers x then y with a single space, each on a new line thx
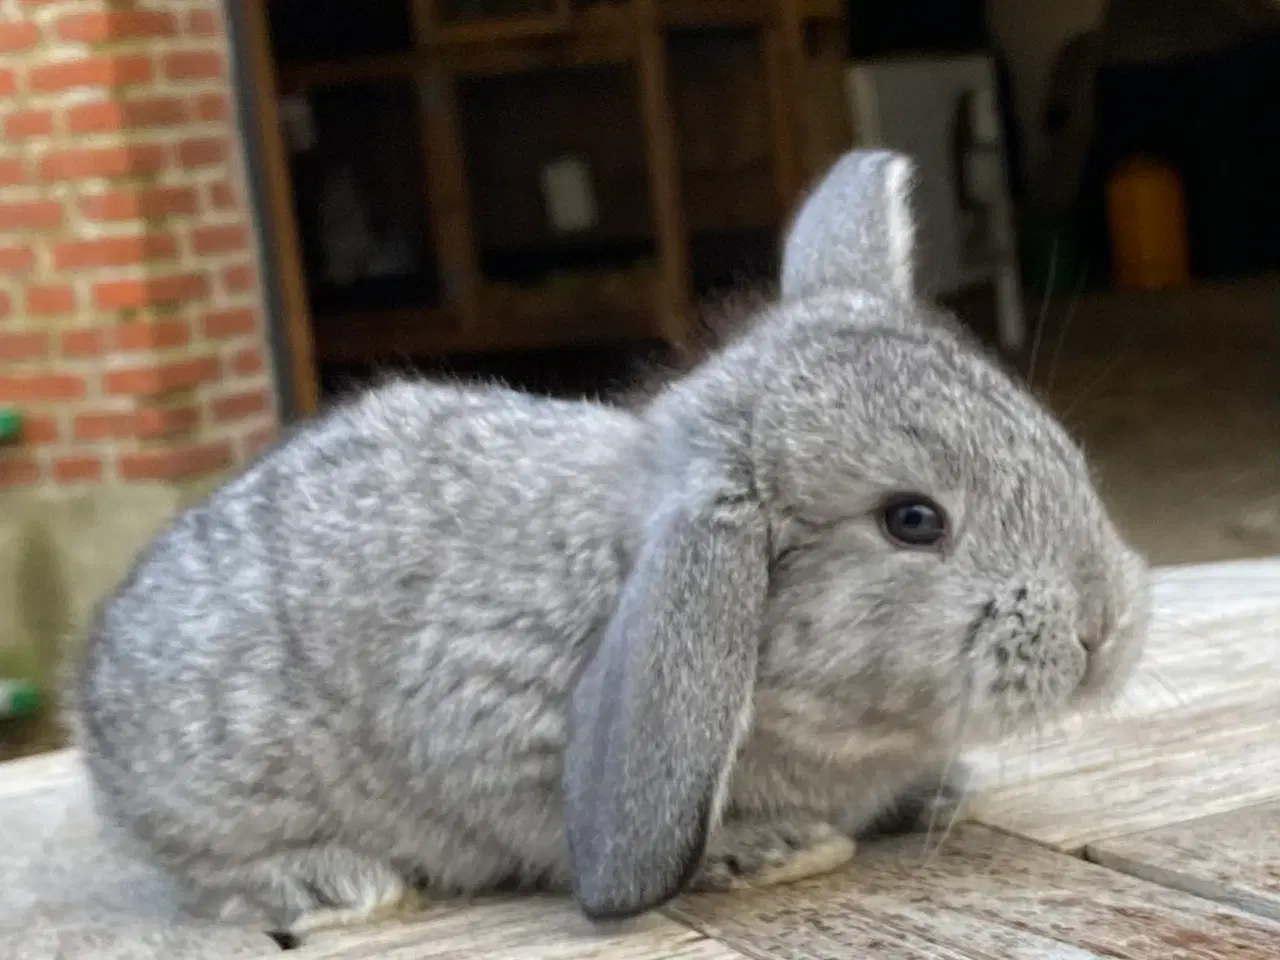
301 892
749 853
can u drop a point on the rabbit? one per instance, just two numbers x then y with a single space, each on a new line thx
459 639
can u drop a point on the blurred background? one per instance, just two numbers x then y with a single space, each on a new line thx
215 217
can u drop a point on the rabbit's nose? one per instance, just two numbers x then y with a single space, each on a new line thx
1092 642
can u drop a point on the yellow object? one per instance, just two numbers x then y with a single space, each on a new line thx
1147 217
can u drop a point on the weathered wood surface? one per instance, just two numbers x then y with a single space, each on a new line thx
64 895
1197 732
1233 858
524 929
1175 792
985 895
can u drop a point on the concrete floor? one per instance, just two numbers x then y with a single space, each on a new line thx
1176 397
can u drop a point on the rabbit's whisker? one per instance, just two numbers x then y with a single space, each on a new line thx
1043 316
1072 305
1121 352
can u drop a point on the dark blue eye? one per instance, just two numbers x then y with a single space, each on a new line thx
914 521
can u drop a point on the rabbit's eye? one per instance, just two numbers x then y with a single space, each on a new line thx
914 522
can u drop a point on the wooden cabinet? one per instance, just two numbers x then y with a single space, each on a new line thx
417 136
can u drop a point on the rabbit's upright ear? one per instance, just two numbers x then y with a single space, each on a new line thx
660 711
855 230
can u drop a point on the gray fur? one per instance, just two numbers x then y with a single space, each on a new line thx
464 635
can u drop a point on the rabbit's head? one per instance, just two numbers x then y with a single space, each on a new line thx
859 523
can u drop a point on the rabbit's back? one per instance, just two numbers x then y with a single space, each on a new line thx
368 636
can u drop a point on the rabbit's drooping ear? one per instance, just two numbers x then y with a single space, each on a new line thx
855 230
661 709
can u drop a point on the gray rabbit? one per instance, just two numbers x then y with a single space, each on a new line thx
462 639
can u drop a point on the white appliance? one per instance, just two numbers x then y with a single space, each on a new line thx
943 112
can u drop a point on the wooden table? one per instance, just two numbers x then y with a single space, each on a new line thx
1150 832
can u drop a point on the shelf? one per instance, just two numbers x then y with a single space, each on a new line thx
606 307
600 34
726 176
740 13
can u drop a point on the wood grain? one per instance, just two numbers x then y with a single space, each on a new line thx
285 253
1197 732
662 153
1233 858
67 895
524 929
985 895
1175 793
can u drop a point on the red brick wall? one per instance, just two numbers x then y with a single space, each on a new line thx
131 318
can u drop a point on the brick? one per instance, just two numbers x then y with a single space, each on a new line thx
12 169
18 37
112 115
207 241
194 65
136 204
248 362
158 379
115 161
156 335
97 71
41 387
239 278
8 82
30 215
113 251
257 441
24 124
223 196
146 424
238 406
27 345
126 337
150 291
114 25
37 430
203 23
84 343
50 299
81 469
174 462
17 258
211 106
169 422
204 152
18 471
224 324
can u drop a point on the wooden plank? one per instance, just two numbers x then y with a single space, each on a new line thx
675 313
789 31
554 19
299 77
383 335
985 895
287 247
1197 732
786 161
67 895
1233 858
39 773
740 13
522 929
447 187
